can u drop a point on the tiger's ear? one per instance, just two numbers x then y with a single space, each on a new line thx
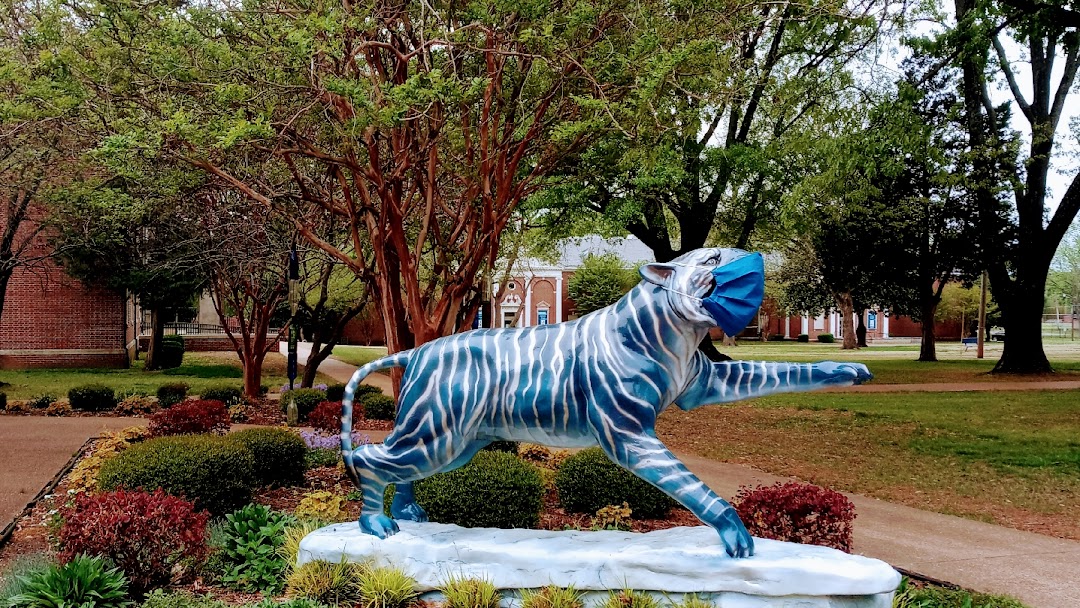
657 274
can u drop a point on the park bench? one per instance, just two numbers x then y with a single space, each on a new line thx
969 342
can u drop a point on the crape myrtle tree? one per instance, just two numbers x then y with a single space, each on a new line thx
421 125
1017 253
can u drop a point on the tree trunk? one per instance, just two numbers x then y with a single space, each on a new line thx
928 347
1023 353
318 354
5 277
860 331
847 323
157 334
253 364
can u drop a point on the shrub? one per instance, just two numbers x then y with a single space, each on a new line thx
613 517
229 395
322 457
172 393
159 598
630 599
776 338
797 512
928 596
84 475
327 417
322 505
92 398
551 597
803 338
335 392
495 490
387 588
461 592
85 582
171 354
363 390
145 535
213 472
510 447
58 408
290 543
191 418
307 399
588 481
279 455
326 583
3 401
826 338
42 401
378 406
136 405
252 541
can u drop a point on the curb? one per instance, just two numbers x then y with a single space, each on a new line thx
9 529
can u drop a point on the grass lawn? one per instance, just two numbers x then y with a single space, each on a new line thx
199 371
358 355
897 364
1012 458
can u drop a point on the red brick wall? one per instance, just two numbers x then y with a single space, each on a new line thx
52 320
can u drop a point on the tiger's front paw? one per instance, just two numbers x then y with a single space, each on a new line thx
378 525
737 541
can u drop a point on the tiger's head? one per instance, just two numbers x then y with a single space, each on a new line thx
721 287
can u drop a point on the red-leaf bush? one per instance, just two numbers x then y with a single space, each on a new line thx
327 416
145 535
797 512
191 418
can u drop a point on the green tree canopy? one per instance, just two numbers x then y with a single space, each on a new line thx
600 281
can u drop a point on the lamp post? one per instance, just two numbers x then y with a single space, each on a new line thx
292 413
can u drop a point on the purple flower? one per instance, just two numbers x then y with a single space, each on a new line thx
320 387
317 440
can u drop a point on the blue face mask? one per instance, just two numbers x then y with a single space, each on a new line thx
740 287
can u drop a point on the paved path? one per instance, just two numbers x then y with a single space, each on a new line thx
34 448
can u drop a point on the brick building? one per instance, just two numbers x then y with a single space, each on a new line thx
52 320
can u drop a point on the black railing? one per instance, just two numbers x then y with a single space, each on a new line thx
197 329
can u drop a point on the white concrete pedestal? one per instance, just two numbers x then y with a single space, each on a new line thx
673 562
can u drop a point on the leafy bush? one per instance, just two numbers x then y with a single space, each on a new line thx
362 390
84 475
83 582
495 490
326 417
159 598
136 405
92 398
322 505
191 418
378 406
797 512
461 592
387 588
58 408
326 583
145 535
279 455
229 395
213 472
826 338
613 517
322 457
588 481
630 599
252 540
171 354
307 399
22 567
335 392
170 394
803 338
510 447
42 401
551 597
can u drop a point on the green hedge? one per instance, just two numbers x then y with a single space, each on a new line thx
826 338
378 406
92 398
495 490
229 395
170 394
279 455
172 352
213 472
803 338
307 399
588 481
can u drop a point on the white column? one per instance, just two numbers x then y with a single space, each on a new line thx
884 325
527 320
558 299
787 327
805 325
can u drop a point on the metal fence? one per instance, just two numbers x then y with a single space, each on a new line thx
197 329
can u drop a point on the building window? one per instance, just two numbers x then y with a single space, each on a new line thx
819 322
509 316
542 316
871 321
511 286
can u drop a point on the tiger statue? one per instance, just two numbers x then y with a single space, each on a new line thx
601 380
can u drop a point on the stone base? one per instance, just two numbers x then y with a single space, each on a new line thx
673 562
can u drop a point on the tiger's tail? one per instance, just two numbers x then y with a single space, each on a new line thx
400 359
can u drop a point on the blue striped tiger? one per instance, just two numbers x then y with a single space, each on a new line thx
599 380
